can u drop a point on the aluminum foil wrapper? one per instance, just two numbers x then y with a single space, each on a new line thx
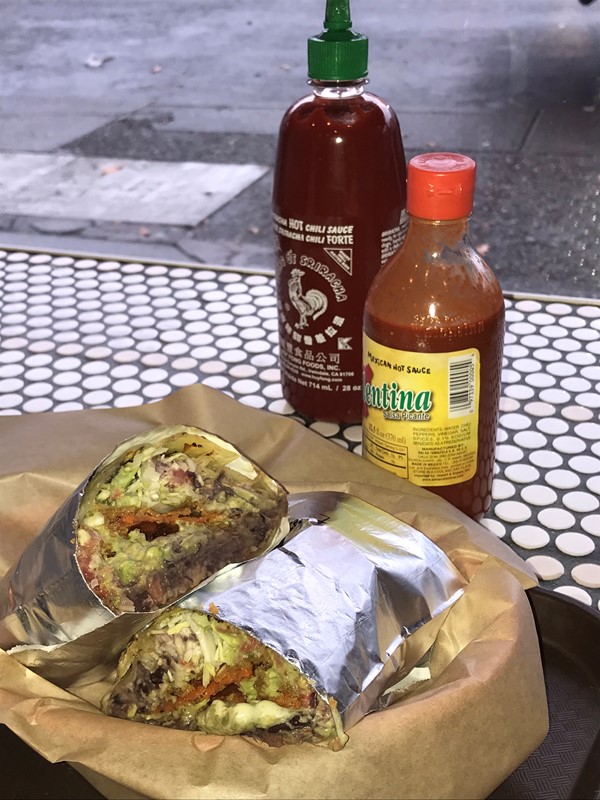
340 599
45 600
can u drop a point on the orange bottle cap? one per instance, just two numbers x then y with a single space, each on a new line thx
440 186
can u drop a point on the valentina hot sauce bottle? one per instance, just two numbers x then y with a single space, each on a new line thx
433 338
339 214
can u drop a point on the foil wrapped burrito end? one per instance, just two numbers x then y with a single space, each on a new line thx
160 515
298 645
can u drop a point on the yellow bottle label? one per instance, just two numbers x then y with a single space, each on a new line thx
421 413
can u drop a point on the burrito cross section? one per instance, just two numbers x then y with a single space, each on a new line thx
169 514
193 671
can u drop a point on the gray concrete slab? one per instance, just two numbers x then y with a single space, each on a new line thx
61 101
144 138
539 219
471 132
566 131
41 123
243 223
57 226
110 230
124 189
42 132
75 244
503 130
210 119
434 55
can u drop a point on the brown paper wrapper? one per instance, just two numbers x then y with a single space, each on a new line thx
458 735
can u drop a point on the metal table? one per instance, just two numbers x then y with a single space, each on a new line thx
80 332
87 332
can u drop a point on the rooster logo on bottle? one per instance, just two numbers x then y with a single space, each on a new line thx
312 304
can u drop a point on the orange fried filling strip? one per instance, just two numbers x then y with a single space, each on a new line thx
123 521
229 676
224 677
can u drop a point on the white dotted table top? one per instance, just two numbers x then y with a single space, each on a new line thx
85 332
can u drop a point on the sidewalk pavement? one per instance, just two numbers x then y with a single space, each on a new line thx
150 133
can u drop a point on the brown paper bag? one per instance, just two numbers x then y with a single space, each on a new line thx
458 735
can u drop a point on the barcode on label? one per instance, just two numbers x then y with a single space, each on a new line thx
461 385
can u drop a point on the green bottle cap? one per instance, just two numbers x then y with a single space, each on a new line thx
338 53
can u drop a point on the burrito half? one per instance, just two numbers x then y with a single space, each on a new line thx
192 671
169 512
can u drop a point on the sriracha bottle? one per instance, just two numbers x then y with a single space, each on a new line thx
433 338
339 197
